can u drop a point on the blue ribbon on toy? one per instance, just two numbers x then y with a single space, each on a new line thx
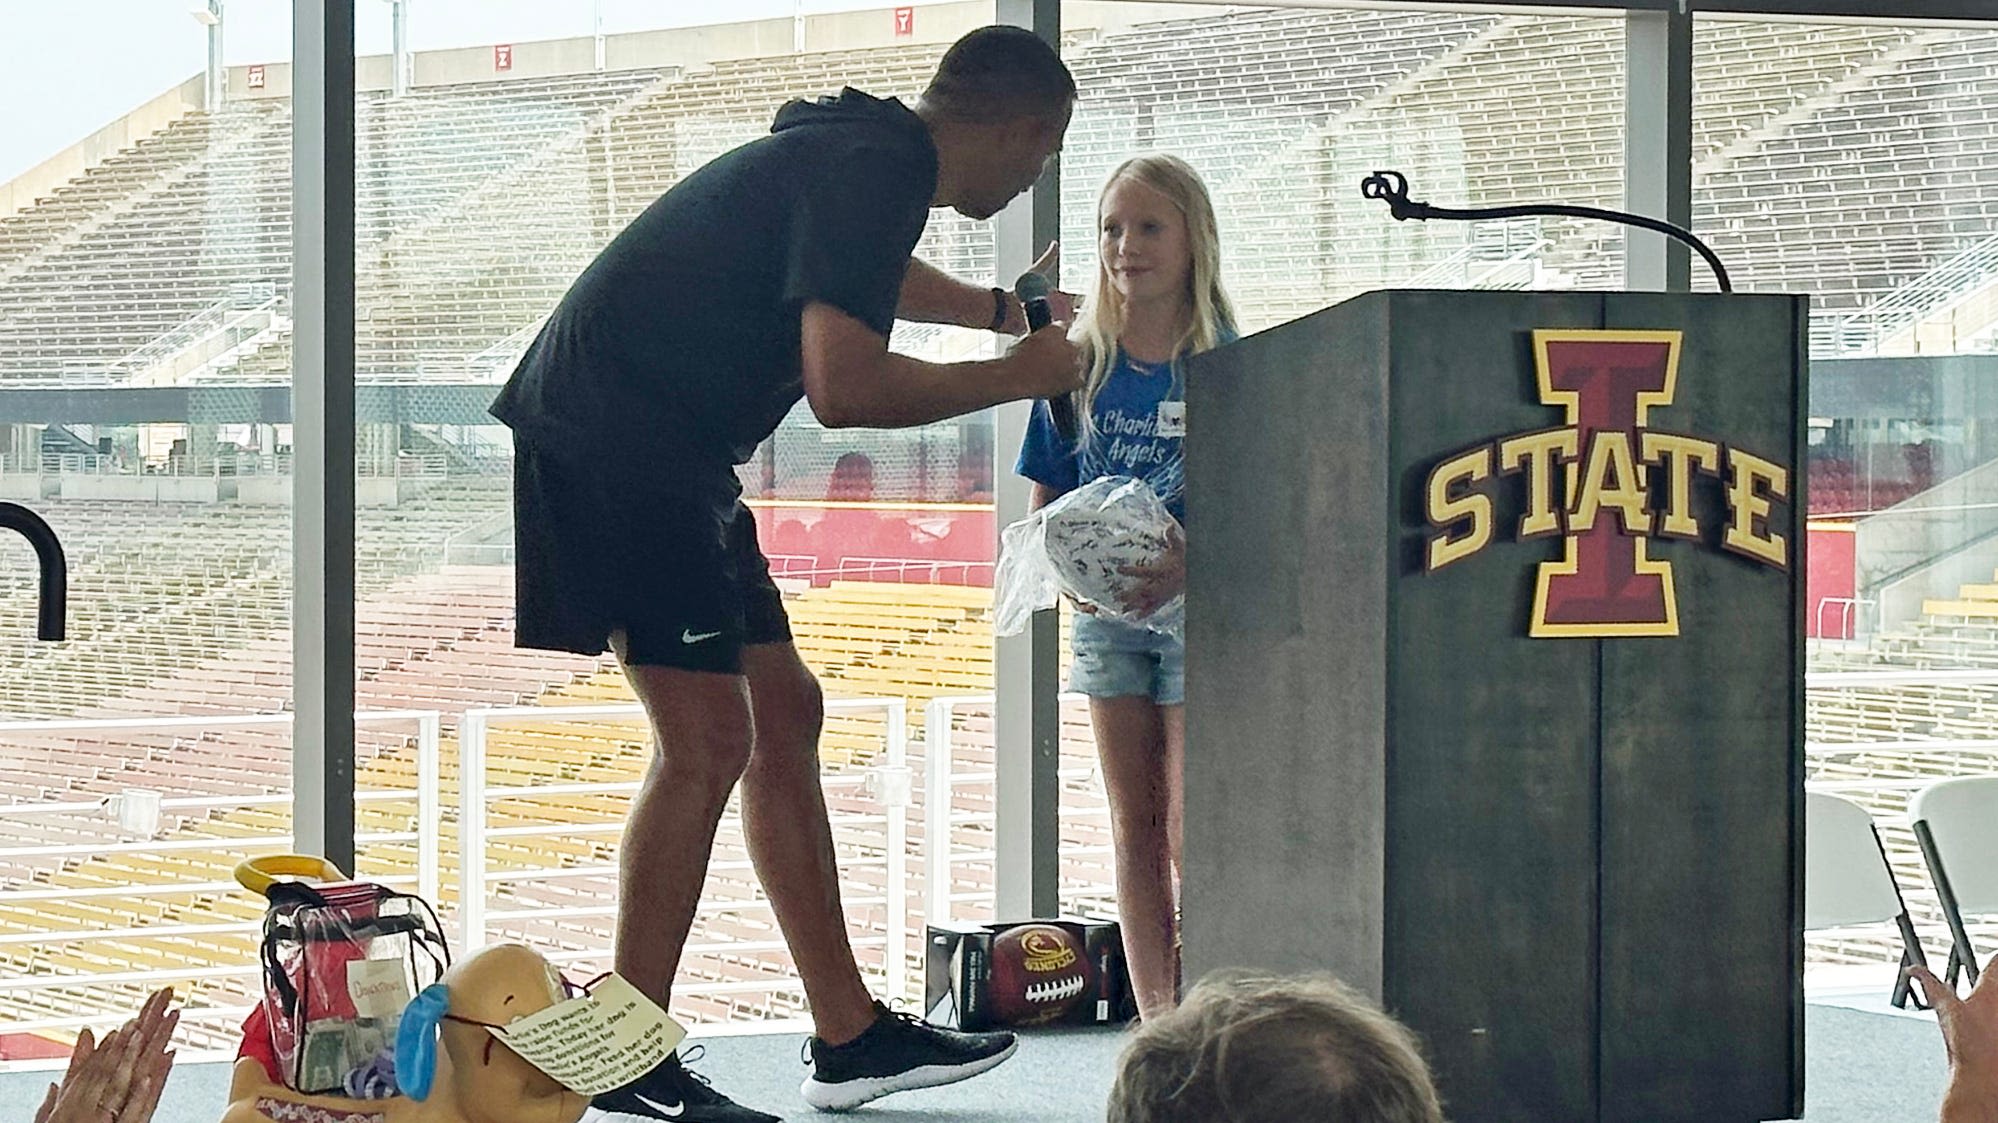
416 1041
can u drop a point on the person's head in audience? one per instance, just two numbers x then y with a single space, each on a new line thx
1259 1049
852 479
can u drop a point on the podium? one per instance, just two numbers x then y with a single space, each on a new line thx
1495 687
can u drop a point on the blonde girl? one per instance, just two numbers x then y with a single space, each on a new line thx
1158 299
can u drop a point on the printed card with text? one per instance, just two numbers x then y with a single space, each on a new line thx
597 1042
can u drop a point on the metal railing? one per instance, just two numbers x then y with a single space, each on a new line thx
1477 265
496 362
793 565
941 781
1902 311
888 784
922 571
469 546
907 569
424 838
209 338
1848 609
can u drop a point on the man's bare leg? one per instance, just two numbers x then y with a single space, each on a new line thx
856 1056
701 735
790 838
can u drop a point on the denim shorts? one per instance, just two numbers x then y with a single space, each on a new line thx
1116 660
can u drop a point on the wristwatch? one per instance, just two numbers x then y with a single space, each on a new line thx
998 309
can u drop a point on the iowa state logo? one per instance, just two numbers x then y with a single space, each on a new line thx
1623 482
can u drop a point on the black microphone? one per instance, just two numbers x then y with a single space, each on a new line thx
1032 289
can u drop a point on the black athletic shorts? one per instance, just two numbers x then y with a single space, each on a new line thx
670 561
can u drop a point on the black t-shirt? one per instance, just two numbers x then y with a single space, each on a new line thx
679 344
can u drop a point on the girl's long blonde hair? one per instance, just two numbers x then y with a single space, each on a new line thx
1101 322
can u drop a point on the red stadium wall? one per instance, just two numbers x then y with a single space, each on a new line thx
927 543
30 1047
955 543
1829 576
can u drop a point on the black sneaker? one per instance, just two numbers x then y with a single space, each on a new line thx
898 1052
673 1093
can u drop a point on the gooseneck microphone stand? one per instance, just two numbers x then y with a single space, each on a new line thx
1392 188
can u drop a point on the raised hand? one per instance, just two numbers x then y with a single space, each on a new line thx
1970 1034
1061 305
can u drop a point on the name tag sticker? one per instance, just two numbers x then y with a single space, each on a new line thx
1172 419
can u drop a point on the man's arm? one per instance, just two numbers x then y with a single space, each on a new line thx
852 379
932 296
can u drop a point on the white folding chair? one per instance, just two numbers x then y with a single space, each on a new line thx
1956 822
1848 882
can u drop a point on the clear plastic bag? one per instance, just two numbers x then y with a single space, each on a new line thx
1078 546
340 963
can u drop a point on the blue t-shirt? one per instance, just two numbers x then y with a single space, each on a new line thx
1123 441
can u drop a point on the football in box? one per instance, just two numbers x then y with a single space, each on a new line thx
1066 971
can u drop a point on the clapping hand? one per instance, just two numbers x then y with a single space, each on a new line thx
118 1079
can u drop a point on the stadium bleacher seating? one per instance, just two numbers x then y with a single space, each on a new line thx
159 587
490 196
1904 735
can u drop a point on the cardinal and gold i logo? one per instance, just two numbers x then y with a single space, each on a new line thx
1623 479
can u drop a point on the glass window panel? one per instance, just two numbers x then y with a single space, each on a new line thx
484 191
1852 162
145 273
1283 111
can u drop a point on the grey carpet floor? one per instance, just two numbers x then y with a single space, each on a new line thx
1859 1068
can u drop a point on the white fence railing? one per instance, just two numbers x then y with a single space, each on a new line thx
888 784
423 838
916 570
919 571
1898 315
1846 611
941 780
473 545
